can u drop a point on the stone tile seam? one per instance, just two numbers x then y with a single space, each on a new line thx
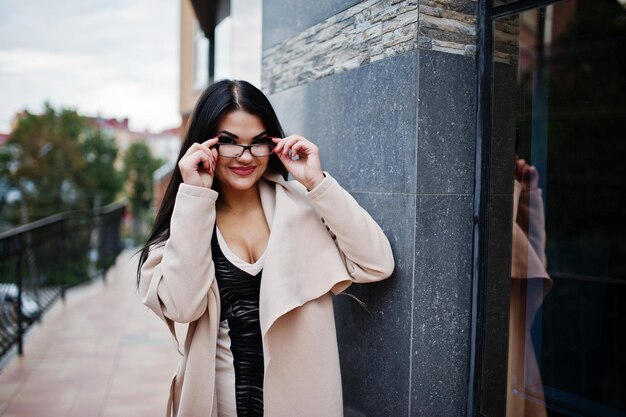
411 333
416 166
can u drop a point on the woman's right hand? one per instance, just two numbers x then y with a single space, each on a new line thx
197 166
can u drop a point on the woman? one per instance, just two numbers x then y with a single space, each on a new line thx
255 346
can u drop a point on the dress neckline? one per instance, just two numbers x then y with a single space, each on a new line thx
251 268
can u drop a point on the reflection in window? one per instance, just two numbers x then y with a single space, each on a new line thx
559 140
530 282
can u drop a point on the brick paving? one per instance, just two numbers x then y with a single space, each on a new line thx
100 353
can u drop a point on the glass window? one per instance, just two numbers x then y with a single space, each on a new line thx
223 49
201 55
557 252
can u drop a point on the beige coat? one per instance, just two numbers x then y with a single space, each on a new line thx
303 265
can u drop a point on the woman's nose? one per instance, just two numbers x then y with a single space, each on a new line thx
246 155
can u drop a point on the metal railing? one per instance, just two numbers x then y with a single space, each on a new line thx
39 260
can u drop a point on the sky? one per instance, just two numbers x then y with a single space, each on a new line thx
109 58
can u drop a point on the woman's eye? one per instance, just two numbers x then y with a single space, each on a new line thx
225 139
262 141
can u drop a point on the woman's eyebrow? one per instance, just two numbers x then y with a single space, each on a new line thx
260 135
228 133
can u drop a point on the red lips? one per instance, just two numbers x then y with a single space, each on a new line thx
243 171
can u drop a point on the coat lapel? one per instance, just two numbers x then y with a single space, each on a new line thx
302 261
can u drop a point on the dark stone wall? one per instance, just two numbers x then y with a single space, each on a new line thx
399 135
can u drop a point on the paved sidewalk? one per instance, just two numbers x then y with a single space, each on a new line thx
99 354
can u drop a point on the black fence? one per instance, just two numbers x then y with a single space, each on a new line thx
40 260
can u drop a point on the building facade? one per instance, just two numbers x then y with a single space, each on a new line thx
387 89
485 138
218 39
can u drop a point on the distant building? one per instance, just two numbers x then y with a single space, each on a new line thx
164 145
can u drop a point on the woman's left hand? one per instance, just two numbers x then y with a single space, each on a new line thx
301 158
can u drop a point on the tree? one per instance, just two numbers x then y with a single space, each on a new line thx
6 156
139 165
43 162
56 162
100 181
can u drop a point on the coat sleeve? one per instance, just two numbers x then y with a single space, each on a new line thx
361 241
176 277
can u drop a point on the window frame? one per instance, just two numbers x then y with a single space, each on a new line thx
487 376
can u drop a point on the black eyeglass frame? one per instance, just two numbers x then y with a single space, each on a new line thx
245 148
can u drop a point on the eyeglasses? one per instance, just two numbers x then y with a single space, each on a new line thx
232 150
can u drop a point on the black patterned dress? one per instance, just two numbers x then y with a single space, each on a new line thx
239 295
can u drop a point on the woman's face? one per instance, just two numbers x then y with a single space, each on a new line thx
243 172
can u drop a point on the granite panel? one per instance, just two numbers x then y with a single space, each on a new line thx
446 123
283 19
364 122
374 342
442 305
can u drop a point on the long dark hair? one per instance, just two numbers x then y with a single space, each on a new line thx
215 102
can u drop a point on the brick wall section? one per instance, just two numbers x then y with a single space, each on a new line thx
448 26
367 32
